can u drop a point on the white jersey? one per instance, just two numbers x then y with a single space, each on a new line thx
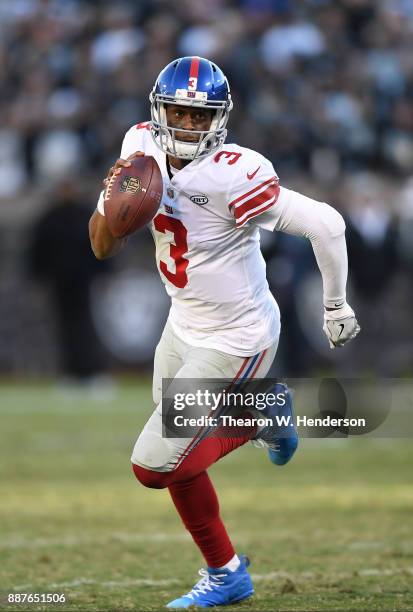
208 250
207 241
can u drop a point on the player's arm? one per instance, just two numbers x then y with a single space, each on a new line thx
298 215
103 243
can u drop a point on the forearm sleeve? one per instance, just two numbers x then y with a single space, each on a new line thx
301 216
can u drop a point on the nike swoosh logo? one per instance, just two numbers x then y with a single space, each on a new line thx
342 329
339 305
250 175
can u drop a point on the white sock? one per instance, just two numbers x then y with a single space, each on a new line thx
232 565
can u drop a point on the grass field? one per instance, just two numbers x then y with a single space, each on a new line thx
331 531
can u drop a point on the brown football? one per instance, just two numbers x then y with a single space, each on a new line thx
133 196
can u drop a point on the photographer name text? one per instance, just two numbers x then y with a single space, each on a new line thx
280 421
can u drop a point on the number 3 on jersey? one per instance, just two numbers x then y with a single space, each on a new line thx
163 224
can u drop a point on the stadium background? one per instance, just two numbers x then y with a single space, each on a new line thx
325 90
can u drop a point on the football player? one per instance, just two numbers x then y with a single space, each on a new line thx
223 321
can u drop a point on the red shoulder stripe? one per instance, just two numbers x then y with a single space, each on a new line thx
257 200
248 193
256 213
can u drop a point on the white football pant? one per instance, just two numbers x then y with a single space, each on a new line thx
176 359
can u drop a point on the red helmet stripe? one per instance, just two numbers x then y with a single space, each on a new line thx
194 68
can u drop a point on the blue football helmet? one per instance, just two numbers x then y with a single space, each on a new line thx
196 82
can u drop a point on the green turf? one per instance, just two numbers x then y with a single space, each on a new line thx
331 531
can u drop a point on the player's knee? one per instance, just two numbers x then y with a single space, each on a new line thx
152 451
150 478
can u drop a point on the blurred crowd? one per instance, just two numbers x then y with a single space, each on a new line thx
323 88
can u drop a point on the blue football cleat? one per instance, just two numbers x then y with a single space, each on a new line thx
281 438
218 587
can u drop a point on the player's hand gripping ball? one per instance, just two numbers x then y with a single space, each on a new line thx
133 194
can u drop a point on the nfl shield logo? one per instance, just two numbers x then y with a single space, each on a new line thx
170 192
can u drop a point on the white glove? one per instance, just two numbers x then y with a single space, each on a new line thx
340 325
